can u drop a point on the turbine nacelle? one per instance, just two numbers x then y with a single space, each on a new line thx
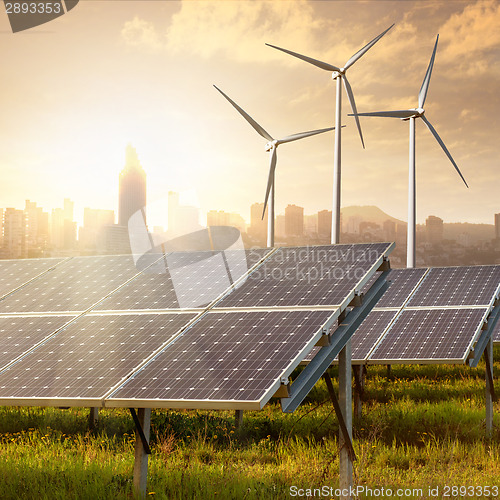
419 112
338 74
271 145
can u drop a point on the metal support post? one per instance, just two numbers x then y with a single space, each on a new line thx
93 417
142 422
238 418
345 403
359 388
490 392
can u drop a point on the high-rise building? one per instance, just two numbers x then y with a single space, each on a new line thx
497 226
173 205
325 224
434 229
94 220
258 226
132 187
14 234
389 230
311 224
37 229
221 218
294 220
63 227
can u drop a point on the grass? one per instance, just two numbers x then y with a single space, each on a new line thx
423 427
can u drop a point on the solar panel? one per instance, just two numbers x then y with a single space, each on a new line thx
187 280
231 357
14 273
89 357
18 334
72 286
308 276
430 335
458 286
402 282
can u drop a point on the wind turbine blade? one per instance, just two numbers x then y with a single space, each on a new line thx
352 102
294 137
441 143
319 64
427 78
272 168
365 49
248 118
402 113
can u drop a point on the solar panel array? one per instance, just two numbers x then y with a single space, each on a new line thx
428 316
100 331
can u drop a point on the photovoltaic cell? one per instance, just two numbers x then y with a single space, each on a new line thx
307 276
401 284
226 356
14 273
18 334
458 286
72 286
429 335
187 280
90 356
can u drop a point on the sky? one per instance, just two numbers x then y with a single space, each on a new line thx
77 90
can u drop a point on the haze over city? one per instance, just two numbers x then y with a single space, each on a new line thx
77 90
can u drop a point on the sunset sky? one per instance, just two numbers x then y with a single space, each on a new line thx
76 90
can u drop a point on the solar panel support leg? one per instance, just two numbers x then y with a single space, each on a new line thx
490 393
93 417
238 418
142 420
359 388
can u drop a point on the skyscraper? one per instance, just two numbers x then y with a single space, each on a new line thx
434 229
294 220
497 226
132 187
14 233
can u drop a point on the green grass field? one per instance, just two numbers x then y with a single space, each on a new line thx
423 427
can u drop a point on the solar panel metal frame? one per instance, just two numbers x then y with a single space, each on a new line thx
105 400
100 401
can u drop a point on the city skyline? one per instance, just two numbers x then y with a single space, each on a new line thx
142 79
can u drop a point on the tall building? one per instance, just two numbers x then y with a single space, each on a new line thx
14 234
311 225
258 226
497 226
132 187
37 229
434 229
221 218
294 220
389 227
94 222
325 224
63 227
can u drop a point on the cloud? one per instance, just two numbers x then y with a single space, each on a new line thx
141 33
474 36
240 29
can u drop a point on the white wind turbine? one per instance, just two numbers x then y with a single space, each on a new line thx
271 147
339 74
412 115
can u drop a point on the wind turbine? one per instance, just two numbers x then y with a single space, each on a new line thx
271 147
412 115
339 75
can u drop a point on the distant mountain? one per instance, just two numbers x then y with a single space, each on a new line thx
369 213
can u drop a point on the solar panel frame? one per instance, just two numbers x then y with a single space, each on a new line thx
58 355
324 323
496 333
420 316
228 299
